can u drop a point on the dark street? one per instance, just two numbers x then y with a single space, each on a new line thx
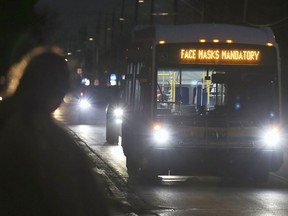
171 195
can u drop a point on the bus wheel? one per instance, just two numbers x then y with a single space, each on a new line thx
138 173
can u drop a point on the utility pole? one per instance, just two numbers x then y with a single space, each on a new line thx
201 11
105 31
152 12
122 18
136 13
113 26
245 12
175 12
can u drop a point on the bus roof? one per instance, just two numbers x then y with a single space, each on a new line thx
208 32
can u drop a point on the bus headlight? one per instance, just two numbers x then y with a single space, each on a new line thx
160 134
272 137
84 103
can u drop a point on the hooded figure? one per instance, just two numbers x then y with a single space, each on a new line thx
43 171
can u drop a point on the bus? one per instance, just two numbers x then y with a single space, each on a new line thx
202 99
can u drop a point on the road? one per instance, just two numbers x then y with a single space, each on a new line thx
172 195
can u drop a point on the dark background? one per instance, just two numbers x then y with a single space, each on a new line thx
69 23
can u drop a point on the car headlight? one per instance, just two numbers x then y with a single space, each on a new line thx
160 134
117 114
84 103
272 137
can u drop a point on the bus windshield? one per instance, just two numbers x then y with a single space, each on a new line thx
238 91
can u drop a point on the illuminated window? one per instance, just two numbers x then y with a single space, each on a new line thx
229 41
162 42
202 40
85 81
216 40
113 79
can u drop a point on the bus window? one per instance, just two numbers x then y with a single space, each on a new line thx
186 91
190 91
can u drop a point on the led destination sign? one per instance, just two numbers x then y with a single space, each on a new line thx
220 56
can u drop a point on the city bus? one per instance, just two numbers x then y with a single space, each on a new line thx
202 99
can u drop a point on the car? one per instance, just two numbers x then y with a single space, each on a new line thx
114 117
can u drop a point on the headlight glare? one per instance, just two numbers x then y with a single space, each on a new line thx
272 137
160 135
118 121
84 103
118 112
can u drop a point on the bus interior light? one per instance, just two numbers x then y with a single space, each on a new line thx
215 40
202 40
162 42
229 41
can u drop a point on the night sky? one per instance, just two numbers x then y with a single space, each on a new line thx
65 17
74 12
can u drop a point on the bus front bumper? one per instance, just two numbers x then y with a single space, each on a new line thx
209 160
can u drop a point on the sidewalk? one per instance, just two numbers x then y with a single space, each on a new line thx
115 199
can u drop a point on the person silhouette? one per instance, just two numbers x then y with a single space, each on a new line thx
43 171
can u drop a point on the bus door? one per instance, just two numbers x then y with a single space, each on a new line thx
137 90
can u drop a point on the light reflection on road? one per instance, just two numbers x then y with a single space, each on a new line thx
84 130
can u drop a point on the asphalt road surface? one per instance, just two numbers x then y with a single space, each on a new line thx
171 195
